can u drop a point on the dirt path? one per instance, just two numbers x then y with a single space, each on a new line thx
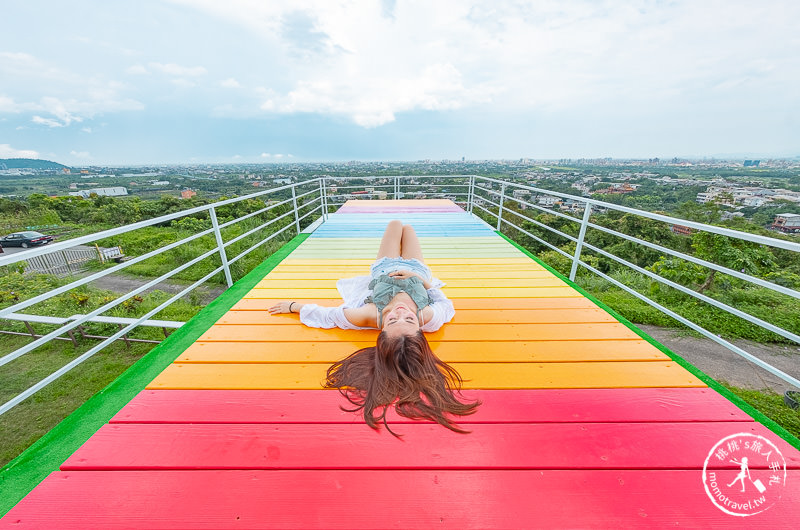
725 365
122 284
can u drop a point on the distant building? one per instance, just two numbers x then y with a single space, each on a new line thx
548 201
73 186
618 189
282 181
755 202
752 163
787 222
188 194
116 191
66 171
84 171
681 230
730 215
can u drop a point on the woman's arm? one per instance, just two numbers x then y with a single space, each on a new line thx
401 275
286 307
329 317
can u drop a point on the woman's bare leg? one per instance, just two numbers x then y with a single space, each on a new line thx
409 245
392 238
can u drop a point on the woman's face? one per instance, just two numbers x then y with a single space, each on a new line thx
400 319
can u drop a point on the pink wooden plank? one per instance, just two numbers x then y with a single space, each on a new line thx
383 499
398 209
424 446
506 406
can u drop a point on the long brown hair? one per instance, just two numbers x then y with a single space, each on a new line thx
402 368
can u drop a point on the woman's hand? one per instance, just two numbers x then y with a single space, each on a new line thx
405 274
284 307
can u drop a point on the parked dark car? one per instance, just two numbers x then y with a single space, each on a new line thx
25 239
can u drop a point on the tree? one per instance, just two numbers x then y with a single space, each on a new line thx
733 253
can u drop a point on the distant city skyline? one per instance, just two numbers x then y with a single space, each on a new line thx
200 81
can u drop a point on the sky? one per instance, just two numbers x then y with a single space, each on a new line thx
91 82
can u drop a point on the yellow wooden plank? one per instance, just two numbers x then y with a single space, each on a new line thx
463 316
454 351
491 333
262 304
619 374
476 283
445 276
450 292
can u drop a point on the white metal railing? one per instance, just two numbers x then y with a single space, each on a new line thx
508 217
305 195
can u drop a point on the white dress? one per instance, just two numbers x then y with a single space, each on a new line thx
355 290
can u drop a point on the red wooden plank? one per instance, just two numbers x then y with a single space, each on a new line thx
506 406
425 446
383 499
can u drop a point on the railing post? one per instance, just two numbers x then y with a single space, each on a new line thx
396 187
502 199
296 213
323 196
471 193
222 254
587 211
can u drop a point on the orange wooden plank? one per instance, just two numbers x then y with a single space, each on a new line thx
453 351
489 333
619 374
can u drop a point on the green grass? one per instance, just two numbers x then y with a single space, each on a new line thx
771 405
27 422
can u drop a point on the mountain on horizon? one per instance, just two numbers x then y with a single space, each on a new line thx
29 163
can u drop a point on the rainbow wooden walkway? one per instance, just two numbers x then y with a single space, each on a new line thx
584 423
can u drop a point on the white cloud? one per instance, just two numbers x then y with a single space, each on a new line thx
6 151
183 83
83 155
265 155
368 61
230 83
87 130
46 121
178 70
136 69
57 97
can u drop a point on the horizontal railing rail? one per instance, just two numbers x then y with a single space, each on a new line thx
302 202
